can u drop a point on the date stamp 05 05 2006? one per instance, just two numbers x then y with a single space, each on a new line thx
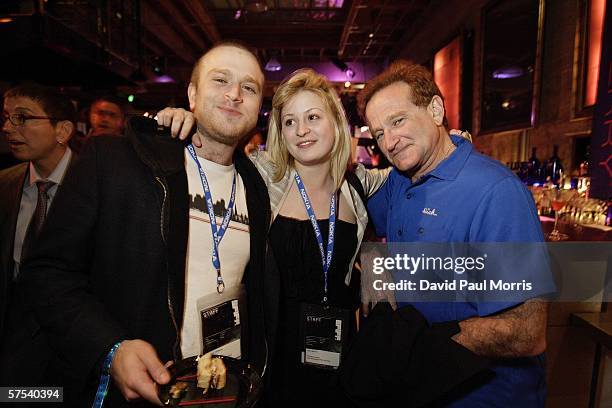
31 394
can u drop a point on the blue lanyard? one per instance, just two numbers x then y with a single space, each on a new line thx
217 234
315 225
105 378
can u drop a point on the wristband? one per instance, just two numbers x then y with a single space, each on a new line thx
105 378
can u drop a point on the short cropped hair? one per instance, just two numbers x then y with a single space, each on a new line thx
195 73
52 101
420 80
308 80
115 100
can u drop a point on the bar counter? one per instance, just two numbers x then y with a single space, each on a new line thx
577 232
579 335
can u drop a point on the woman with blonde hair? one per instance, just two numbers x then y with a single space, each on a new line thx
318 222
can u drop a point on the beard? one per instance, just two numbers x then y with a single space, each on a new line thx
227 132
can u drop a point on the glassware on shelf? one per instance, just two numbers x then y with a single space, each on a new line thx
558 200
573 206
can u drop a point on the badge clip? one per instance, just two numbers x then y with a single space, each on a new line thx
220 284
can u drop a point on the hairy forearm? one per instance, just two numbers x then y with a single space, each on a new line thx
518 332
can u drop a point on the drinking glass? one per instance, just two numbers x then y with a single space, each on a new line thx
559 198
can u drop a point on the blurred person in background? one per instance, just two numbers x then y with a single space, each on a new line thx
107 116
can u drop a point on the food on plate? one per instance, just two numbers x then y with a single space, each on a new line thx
212 372
220 376
178 389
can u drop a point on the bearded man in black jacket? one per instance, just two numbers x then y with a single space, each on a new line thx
126 249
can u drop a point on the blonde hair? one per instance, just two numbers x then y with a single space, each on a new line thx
308 80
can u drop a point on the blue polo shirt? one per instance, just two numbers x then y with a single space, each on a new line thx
468 197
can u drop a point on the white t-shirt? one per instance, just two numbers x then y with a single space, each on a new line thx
200 275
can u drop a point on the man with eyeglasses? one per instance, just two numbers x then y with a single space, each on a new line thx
38 123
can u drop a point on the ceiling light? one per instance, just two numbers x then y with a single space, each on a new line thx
371 35
347 84
342 66
164 79
508 72
273 65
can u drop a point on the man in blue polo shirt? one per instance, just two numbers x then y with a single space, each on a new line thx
442 190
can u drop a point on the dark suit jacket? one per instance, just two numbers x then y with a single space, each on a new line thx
11 187
25 358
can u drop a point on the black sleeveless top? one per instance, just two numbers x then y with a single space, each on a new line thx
298 258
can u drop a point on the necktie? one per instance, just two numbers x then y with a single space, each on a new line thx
38 218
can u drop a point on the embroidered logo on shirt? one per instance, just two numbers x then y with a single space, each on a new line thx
429 211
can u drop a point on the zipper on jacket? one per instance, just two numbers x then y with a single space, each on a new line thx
163 209
263 371
177 342
175 349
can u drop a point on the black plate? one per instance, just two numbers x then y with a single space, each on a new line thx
243 382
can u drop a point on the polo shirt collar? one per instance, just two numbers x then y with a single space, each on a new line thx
449 168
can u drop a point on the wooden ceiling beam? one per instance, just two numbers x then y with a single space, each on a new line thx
157 27
356 5
306 41
180 24
154 47
204 20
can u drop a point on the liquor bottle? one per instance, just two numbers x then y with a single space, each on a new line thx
583 170
534 170
554 168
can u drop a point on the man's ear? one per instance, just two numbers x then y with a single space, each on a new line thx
436 109
64 131
191 94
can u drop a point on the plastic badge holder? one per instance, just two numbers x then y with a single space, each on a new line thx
221 317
